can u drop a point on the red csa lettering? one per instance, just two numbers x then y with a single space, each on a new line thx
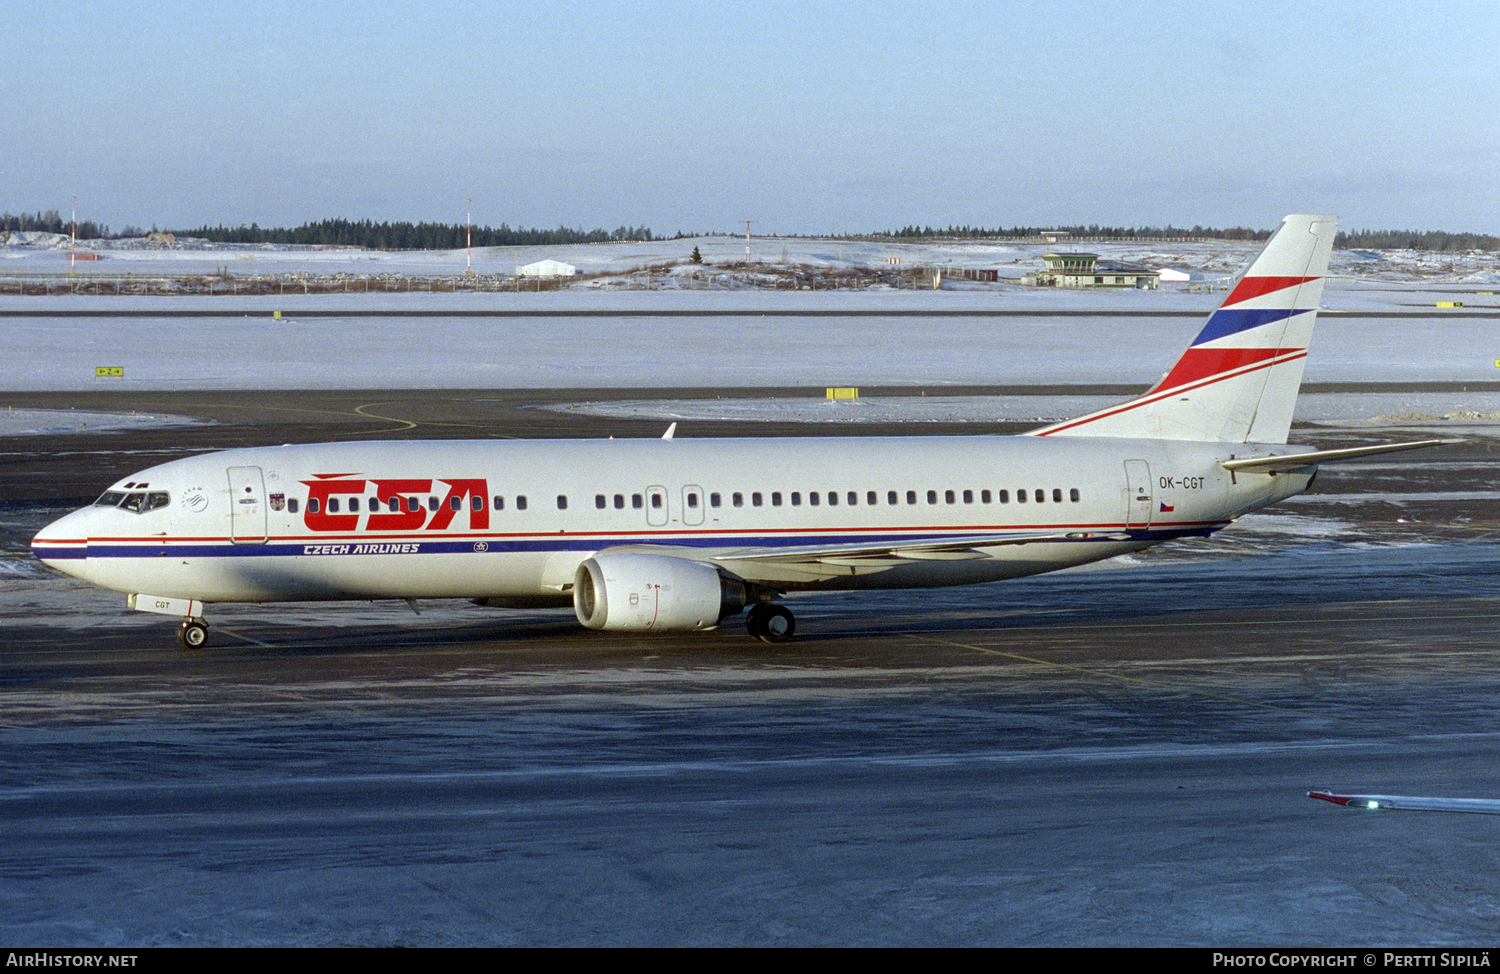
399 519
470 493
479 514
317 517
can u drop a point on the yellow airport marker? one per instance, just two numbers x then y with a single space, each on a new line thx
109 371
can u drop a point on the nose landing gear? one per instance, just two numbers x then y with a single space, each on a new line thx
193 634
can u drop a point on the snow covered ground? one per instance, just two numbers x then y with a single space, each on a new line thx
651 342
49 254
709 333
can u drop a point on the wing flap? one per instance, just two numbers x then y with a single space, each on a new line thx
924 550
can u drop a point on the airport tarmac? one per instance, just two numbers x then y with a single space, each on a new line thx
1117 756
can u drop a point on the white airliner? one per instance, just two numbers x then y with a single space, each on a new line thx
672 535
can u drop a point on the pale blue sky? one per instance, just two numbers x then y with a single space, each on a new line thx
808 117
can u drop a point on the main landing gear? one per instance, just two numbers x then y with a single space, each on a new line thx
193 634
770 623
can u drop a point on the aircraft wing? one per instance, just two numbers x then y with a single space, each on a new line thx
1292 461
812 562
1483 806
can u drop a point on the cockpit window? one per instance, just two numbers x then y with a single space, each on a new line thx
136 501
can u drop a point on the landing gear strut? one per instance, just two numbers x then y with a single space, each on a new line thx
770 623
193 634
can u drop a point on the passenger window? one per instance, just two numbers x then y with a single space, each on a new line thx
353 504
600 502
1041 495
637 502
291 505
476 503
932 497
812 498
872 498
738 499
949 497
394 505
656 501
713 500
619 502
457 503
520 502
755 499
312 505
796 498
413 505
984 497
891 498
333 505
1057 494
1073 495
911 497
499 503
1020 497
1005 497
775 498
562 502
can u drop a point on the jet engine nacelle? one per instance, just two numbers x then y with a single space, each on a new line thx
653 593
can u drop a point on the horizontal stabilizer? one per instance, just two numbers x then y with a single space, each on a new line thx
1292 461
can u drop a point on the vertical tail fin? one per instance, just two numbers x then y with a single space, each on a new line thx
1237 382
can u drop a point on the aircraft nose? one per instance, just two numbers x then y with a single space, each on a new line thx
63 544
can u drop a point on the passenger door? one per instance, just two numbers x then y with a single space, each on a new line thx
1138 490
247 505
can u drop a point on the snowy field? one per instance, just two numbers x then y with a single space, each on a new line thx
611 331
36 253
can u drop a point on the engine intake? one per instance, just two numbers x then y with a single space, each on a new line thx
653 593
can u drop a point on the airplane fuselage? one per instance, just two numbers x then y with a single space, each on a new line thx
513 520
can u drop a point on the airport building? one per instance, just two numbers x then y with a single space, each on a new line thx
1076 269
546 268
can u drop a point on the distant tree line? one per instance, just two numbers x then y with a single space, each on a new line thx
404 235
1432 240
52 222
914 232
449 236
